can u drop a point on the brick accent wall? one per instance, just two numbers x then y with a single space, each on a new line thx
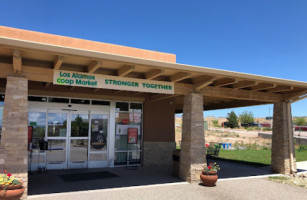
158 153
14 139
283 154
192 156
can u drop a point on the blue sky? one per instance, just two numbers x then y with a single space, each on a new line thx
265 37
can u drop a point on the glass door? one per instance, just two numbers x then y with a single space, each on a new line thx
78 139
56 146
98 150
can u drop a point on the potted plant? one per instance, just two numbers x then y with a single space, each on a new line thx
209 174
10 188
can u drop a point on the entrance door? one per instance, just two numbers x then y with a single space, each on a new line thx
58 125
78 139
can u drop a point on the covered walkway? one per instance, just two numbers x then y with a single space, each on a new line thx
63 181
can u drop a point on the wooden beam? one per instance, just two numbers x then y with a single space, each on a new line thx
233 104
158 97
58 62
203 78
76 94
47 85
244 84
46 75
118 91
299 98
205 83
179 76
138 93
125 70
17 62
280 88
93 66
263 86
228 93
295 95
154 73
224 82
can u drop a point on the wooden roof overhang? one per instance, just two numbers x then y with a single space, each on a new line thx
221 89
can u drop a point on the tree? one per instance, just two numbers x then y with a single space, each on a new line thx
215 123
300 121
246 117
232 119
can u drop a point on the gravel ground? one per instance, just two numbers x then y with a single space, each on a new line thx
229 190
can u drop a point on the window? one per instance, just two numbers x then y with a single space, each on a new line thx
120 106
100 103
58 100
128 133
80 101
37 99
38 122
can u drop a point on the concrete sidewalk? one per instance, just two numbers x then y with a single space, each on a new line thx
247 189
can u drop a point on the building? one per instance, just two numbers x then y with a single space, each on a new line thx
85 104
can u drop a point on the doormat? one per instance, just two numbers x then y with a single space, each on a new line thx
87 176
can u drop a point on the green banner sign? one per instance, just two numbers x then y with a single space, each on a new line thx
69 78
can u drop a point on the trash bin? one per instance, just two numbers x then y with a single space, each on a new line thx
176 162
226 145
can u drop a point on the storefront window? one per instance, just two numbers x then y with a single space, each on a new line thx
128 138
122 106
57 124
79 125
37 122
99 132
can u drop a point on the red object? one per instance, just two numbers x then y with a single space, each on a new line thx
9 174
132 135
265 124
209 167
207 145
30 134
301 128
125 121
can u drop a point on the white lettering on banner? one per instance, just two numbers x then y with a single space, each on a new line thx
69 78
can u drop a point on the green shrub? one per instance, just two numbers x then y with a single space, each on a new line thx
302 148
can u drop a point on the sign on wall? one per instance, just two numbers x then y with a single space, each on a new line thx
70 78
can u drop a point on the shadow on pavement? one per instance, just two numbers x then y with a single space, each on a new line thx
58 181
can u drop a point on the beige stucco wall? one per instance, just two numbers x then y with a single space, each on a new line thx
85 44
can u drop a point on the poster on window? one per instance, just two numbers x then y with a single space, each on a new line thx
132 135
123 129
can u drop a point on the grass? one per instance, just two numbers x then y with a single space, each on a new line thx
256 156
294 181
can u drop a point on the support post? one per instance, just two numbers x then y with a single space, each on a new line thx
14 138
283 154
192 155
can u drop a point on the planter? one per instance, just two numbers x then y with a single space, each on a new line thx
13 192
208 178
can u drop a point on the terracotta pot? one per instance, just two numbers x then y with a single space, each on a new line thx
12 192
208 178
11 187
